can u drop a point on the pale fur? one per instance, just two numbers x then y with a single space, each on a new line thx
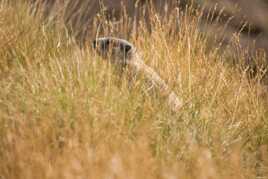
124 53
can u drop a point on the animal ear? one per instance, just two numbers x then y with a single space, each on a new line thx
127 48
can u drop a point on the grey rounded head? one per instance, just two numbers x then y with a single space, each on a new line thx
115 49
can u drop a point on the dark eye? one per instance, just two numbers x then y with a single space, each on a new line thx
105 45
94 44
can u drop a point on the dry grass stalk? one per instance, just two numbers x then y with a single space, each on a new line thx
62 114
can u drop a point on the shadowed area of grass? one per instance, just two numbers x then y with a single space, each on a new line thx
64 112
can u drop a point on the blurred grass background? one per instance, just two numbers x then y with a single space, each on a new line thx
64 113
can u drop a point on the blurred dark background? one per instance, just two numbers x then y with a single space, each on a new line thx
247 17
237 25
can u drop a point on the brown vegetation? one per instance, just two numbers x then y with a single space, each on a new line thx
125 56
63 113
237 25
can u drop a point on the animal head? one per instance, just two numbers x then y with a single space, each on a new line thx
118 51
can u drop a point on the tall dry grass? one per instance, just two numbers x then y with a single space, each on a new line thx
64 113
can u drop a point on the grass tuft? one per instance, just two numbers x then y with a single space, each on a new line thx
64 112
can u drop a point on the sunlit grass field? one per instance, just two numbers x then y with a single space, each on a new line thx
65 112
